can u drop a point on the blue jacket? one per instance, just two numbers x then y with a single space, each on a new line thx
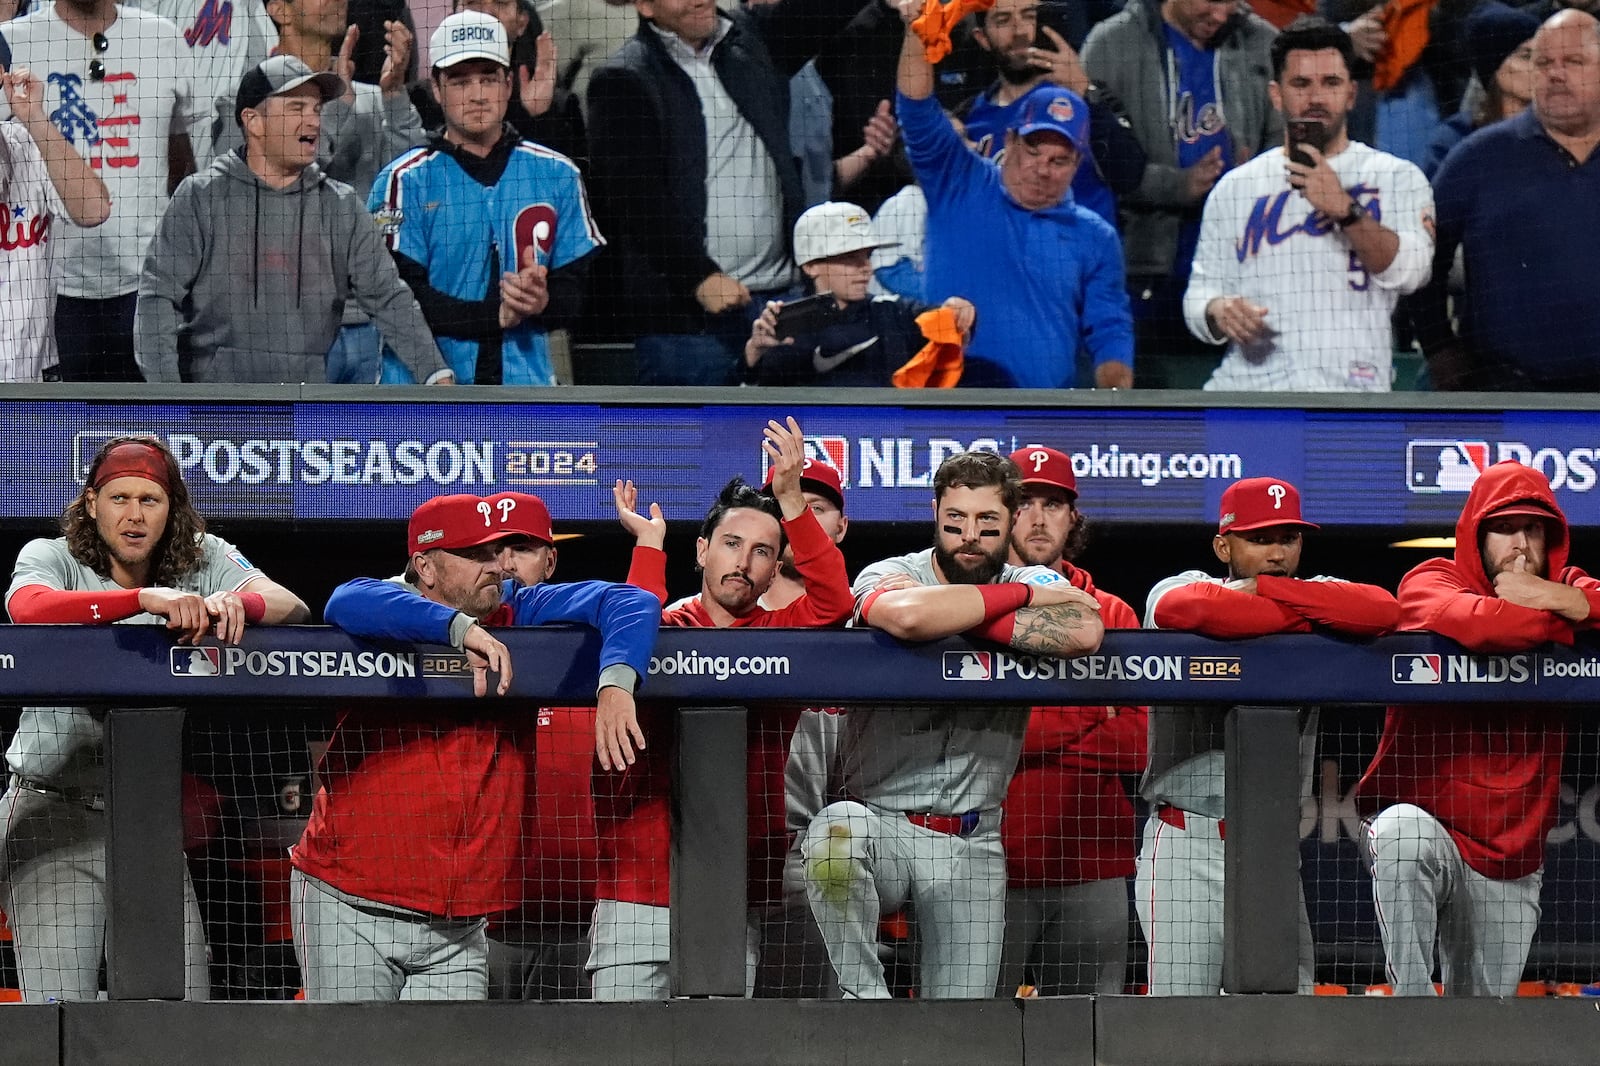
626 617
1525 215
1046 283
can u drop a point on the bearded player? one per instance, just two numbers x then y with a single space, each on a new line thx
1460 798
926 783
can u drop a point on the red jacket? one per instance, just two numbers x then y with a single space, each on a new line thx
1491 773
631 808
1068 818
1279 605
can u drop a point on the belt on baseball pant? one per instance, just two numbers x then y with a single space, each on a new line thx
951 825
94 801
1174 816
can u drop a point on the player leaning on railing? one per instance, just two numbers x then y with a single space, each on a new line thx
134 550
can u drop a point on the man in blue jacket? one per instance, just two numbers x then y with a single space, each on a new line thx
1046 275
416 832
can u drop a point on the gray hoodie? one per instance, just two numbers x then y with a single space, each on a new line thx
247 283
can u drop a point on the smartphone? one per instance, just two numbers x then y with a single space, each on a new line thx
1305 131
806 316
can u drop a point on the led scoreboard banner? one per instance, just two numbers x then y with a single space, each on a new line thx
329 460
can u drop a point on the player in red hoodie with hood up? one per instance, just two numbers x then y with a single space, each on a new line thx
1465 795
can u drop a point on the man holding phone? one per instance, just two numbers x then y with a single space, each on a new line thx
1304 251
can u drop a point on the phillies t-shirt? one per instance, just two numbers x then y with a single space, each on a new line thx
1198 122
30 212
119 122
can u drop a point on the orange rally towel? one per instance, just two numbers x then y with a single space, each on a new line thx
933 26
938 365
1406 23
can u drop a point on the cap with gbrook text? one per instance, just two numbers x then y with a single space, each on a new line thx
279 75
1259 502
468 35
819 477
465 521
1046 466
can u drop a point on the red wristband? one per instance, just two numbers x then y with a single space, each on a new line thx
1000 630
255 607
1003 599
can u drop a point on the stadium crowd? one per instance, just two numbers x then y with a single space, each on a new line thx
1029 193
480 848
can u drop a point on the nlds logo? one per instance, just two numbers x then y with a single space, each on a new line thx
1460 669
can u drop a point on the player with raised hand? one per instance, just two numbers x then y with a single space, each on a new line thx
1459 799
741 542
416 832
926 783
133 550
1178 887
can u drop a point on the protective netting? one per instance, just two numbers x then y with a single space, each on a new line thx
1063 913
652 189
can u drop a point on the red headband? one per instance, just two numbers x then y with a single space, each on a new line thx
133 458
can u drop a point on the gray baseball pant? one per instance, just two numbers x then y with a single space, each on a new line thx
1427 896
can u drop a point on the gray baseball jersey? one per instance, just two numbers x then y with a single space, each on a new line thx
942 760
61 744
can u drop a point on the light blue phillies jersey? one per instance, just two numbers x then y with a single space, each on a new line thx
433 212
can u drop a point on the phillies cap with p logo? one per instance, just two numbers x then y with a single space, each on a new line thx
1259 502
817 476
465 521
1046 466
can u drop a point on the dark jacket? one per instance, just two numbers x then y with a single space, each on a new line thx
883 331
647 146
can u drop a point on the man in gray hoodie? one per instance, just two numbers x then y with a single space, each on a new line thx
255 258
1192 77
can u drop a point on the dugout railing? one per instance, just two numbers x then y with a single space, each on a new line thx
143 1021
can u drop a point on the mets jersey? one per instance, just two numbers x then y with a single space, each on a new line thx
1328 315
466 233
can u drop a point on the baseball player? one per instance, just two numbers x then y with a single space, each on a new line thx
921 823
490 231
1178 886
133 550
1305 250
41 179
415 833
1460 798
1069 825
741 542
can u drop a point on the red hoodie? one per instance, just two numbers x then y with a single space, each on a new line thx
1068 818
1490 773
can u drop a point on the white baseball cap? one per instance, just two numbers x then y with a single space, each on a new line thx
834 228
468 35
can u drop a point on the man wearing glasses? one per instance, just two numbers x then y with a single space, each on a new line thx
117 86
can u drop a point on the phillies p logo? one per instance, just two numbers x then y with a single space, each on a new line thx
535 231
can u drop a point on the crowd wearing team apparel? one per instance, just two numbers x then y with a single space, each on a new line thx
1102 197
462 849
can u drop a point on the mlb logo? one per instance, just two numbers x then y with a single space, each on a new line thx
195 662
1416 669
88 442
968 665
835 451
1434 466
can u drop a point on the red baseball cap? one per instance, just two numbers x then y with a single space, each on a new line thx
1046 466
820 478
1259 502
465 521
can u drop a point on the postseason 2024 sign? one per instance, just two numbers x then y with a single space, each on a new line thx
315 460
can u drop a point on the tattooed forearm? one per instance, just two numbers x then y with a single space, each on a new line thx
1060 629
